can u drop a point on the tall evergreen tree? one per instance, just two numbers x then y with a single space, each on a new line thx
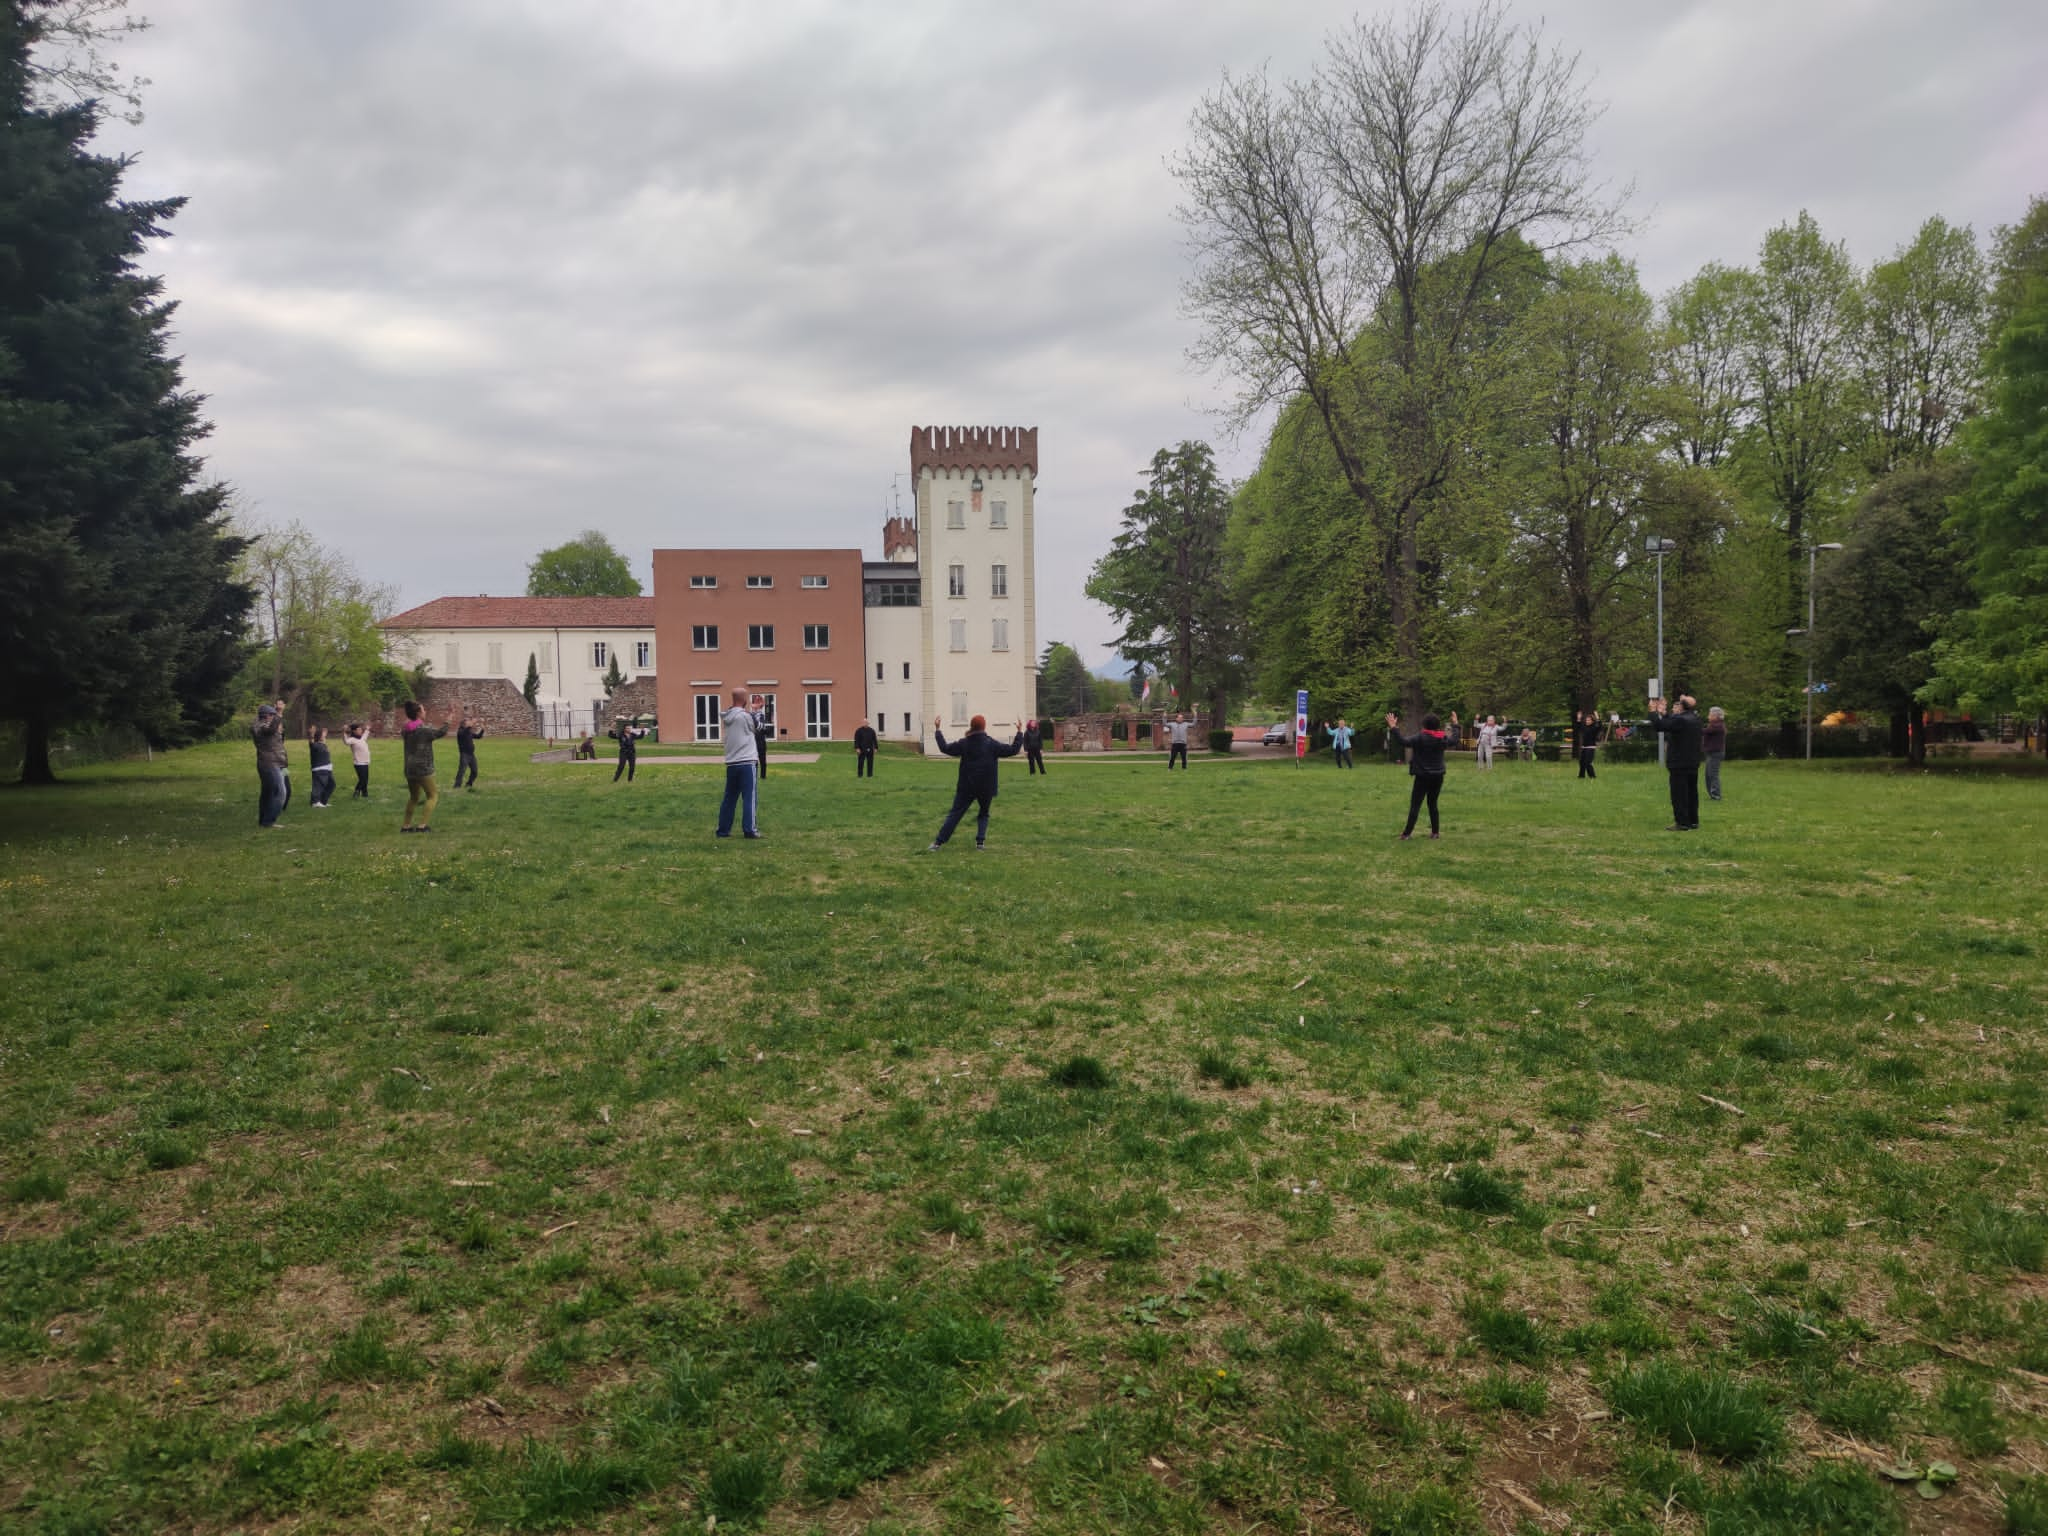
117 596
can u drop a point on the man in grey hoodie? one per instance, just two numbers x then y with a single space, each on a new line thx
742 756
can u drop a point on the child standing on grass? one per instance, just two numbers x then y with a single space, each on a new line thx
358 737
323 767
419 766
1426 765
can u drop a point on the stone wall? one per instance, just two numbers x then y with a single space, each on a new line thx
494 701
1095 732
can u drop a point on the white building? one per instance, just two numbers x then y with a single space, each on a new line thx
978 650
571 640
892 605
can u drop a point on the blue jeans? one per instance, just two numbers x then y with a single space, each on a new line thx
739 792
270 797
962 800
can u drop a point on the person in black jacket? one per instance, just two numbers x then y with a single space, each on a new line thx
1425 765
1681 732
1034 747
1586 734
978 752
864 751
466 738
628 735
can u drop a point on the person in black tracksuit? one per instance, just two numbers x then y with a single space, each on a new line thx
1682 757
1586 735
1034 747
864 751
629 749
978 753
1425 765
466 738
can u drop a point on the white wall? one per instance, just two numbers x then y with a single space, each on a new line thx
997 683
567 672
894 636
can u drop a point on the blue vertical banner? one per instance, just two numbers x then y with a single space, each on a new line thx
1300 724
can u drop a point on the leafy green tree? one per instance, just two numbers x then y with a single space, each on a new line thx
116 568
1878 602
1064 686
530 690
1166 580
1923 317
1353 234
318 641
1702 363
1995 656
586 566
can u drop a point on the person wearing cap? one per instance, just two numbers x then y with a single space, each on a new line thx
268 734
978 753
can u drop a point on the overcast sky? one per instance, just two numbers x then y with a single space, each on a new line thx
464 277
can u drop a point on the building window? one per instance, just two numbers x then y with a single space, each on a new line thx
708 716
906 722
495 658
956 630
817 637
760 637
760 583
817 717
960 708
768 714
600 653
813 581
999 514
704 583
956 581
547 655
878 671
999 581
956 514
999 640
703 637
643 653
906 671
891 594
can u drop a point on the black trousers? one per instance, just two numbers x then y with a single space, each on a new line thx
1685 796
962 800
1423 787
1034 758
864 763
323 786
1178 752
1586 756
627 762
362 782
1343 755
465 763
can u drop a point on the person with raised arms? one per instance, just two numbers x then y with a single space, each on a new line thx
978 753
1426 767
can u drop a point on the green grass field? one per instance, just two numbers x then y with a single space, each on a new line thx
1198 1158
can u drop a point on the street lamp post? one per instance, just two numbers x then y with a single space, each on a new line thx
1812 558
1660 548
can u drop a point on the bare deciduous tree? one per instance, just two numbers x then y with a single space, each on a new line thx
69 57
1351 233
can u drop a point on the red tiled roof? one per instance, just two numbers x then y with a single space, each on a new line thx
527 613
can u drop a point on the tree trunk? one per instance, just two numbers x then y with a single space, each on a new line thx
35 752
1899 734
1916 726
1404 608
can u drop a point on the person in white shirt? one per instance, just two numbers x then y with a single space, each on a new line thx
742 756
358 737
1485 739
1177 742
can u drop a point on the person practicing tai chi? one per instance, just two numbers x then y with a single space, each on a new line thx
1484 740
1177 742
1426 767
1340 743
864 751
322 758
358 738
1714 744
466 738
420 789
1034 748
741 758
1680 729
764 730
1586 734
978 753
629 736
268 734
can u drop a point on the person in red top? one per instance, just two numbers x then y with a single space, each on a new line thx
1426 766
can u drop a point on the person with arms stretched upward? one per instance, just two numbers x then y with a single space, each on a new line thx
1426 768
978 753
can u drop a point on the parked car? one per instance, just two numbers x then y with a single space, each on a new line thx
1276 734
